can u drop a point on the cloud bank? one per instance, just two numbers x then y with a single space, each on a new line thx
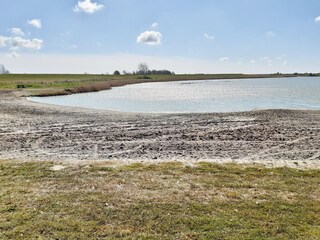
53 63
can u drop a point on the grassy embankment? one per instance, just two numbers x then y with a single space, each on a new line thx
57 84
164 201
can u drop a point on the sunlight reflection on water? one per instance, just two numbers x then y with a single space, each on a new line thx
201 96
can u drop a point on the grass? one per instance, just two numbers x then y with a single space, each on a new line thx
163 201
56 84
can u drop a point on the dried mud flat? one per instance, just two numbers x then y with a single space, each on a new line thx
274 138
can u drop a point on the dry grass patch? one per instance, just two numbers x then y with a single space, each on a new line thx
163 201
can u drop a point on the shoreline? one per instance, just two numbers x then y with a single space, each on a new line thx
273 138
102 85
122 84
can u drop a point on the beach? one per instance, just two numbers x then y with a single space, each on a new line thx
159 120
273 138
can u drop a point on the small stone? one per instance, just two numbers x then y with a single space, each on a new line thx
58 168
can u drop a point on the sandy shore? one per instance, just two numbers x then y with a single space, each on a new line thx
33 131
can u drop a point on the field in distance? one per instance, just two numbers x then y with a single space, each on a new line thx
62 84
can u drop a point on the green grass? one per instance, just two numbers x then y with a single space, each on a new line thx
35 81
51 84
164 201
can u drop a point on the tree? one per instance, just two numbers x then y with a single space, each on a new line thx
143 69
116 72
3 70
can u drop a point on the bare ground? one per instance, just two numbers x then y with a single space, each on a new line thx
274 138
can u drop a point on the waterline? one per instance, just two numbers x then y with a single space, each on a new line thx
200 96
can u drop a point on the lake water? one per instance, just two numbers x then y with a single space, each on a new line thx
201 96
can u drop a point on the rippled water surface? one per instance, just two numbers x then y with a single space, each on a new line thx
201 96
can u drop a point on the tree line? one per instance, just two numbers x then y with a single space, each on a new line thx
143 69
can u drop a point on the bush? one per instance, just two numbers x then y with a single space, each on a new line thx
23 86
144 77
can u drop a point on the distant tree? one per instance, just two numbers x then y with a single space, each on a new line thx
3 70
161 72
143 69
116 72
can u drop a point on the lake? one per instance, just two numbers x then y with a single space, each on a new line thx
200 96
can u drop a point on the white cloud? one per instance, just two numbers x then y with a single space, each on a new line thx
317 19
224 59
4 41
155 25
270 34
87 6
14 55
252 61
281 57
17 32
35 23
16 43
23 43
208 37
285 63
150 38
264 58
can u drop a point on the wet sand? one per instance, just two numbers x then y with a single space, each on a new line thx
274 138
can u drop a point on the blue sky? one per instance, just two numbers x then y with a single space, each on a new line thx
209 36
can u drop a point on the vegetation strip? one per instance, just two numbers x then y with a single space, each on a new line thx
64 84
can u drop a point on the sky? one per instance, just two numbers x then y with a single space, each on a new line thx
189 36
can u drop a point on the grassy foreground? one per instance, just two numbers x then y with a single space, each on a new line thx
57 84
164 201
